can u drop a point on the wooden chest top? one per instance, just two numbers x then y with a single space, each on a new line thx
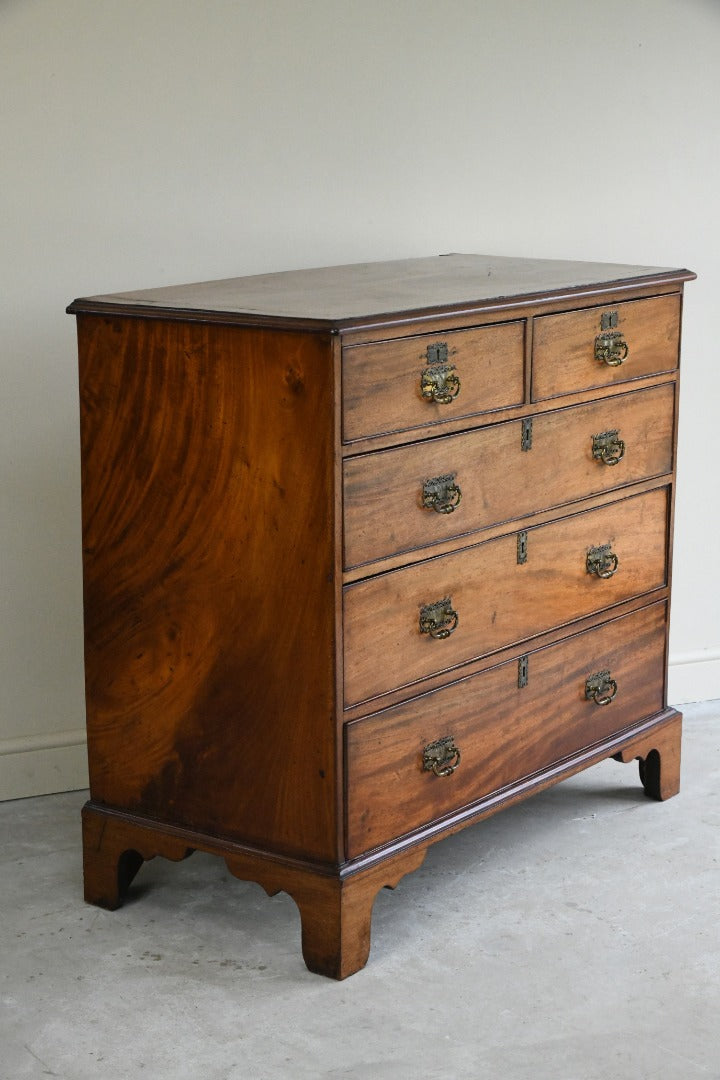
345 296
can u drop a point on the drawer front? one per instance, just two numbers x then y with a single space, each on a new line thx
498 480
497 598
602 345
408 383
503 732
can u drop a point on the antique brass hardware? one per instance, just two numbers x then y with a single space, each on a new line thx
441 494
437 354
441 757
608 320
602 561
522 546
607 447
438 619
523 666
440 384
600 688
611 348
526 434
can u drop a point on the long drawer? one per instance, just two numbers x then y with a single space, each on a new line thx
406 498
599 346
502 732
403 626
410 382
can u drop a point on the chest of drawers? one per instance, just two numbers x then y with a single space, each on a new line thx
369 554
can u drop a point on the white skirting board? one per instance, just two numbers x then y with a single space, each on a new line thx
694 676
43 764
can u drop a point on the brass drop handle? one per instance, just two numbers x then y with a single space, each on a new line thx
440 384
441 494
608 447
600 688
602 561
611 348
438 619
441 757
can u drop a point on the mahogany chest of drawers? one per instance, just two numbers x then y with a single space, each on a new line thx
370 553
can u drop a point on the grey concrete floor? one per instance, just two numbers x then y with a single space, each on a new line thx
573 937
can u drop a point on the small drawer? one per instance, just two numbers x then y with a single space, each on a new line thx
580 350
403 626
493 732
414 496
412 382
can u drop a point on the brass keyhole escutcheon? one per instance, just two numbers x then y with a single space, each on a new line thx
441 757
600 688
441 494
602 561
438 619
440 384
608 447
437 353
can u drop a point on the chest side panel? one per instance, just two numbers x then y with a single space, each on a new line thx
209 564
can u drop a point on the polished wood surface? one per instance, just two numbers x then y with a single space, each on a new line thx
502 731
500 481
193 490
381 382
495 597
564 345
366 292
256 556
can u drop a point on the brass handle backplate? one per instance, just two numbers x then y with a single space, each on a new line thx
441 494
441 757
611 348
438 619
440 383
602 561
608 447
600 688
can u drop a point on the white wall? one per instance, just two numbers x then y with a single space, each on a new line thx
145 142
